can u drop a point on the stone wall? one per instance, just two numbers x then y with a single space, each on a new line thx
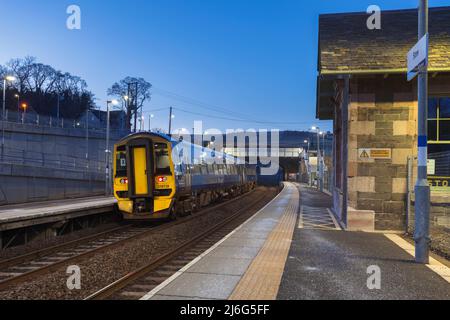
382 114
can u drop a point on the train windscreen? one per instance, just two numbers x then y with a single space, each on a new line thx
121 163
162 159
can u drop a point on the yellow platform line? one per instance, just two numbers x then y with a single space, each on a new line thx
263 277
435 266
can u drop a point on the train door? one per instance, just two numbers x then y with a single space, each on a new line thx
140 174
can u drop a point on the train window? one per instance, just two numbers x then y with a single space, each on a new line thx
121 164
162 159
179 169
196 169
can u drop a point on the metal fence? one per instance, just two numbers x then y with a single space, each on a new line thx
50 160
32 118
439 179
328 180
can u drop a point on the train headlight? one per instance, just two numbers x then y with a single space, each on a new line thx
124 181
162 179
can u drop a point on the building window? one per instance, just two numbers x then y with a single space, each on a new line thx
439 120
439 143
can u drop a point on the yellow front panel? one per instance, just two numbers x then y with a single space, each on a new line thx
140 171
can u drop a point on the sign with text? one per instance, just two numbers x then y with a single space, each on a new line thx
418 57
431 167
375 154
439 183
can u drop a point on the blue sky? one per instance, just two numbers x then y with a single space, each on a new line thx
255 59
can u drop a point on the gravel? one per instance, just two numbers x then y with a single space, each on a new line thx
111 265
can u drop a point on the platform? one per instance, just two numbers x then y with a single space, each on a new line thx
294 249
29 214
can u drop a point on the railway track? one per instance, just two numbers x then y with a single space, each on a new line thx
138 283
19 269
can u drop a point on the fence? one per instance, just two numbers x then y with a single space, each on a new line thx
328 180
439 179
50 160
32 118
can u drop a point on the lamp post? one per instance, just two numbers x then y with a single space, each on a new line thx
319 160
142 122
422 189
17 96
5 79
307 142
107 151
150 117
171 117
24 107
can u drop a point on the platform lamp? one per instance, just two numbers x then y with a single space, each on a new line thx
24 107
150 117
5 80
17 96
107 149
319 159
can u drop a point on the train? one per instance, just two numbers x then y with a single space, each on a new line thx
158 177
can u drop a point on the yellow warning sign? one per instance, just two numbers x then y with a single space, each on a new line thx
364 155
374 154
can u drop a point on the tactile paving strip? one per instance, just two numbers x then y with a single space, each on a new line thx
262 279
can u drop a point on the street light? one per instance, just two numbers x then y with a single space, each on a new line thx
17 96
320 163
24 107
323 134
422 188
107 151
142 122
150 117
5 79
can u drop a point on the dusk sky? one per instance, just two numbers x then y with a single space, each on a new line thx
255 61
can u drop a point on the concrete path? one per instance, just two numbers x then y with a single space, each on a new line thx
247 264
32 213
330 264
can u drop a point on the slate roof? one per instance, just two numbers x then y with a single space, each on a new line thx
346 45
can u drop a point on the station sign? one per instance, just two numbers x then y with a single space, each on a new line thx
375 154
431 167
418 57
439 183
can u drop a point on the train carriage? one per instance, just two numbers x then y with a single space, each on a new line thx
158 177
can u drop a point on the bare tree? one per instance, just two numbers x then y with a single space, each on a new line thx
3 72
40 77
127 87
138 91
41 86
22 69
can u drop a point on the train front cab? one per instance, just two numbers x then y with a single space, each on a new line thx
144 183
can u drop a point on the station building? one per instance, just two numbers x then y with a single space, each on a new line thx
363 88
